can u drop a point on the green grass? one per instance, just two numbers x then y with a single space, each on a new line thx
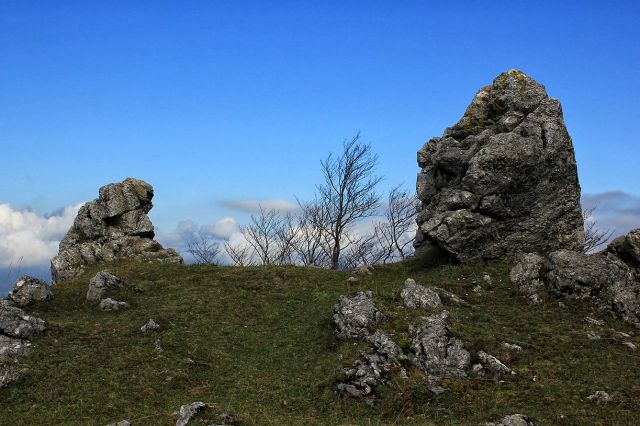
257 342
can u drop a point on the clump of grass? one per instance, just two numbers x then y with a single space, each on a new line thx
257 342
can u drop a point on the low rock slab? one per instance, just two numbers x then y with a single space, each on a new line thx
15 323
109 304
101 282
513 420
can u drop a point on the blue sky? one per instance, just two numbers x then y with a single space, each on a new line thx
217 103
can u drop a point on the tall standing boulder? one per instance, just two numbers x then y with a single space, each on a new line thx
503 180
114 226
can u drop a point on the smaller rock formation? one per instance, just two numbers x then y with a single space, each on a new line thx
101 282
364 270
120 423
28 289
151 325
511 347
611 276
415 296
109 304
12 348
353 316
526 275
188 412
8 375
15 323
513 420
114 226
437 352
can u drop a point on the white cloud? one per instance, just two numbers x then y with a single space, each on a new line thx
616 211
28 238
253 206
222 229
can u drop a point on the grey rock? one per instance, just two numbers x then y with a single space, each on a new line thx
415 296
512 347
436 351
600 397
15 323
478 370
353 316
101 282
188 412
627 248
630 345
591 335
450 297
120 423
12 348
371 370
353 280
109 304
493 365
114 226
8 375
151 325
513 420
527 273
364 270
28 289
594 321
503 180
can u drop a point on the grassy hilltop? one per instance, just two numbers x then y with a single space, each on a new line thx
257 342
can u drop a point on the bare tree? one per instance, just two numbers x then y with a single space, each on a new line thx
310 243
393 234
204 249
240 255
362 250
593 237
348 193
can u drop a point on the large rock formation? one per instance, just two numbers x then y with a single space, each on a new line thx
113 226
503 179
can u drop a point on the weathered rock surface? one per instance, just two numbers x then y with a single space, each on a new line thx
610 276
120 423
101 282
12 348
415 296
113 226
493 365
436 351
188 412
503 180
151 325
513 420
28 289
526 274
600 397
15 323
353 316
371 370
8 375
109 304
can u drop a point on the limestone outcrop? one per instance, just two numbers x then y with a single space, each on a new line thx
501 181
28 290
612 277
113 226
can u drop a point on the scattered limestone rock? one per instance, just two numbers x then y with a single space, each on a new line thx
478 370
592 335
600 397
502 180
114 226
526 274
630 345
188 412
353 316
109 304
101 282
370 370
627 248
12 348
151 325
28 289
120 423
8 375
513 420
494 365
450 297
15 323
416 296
487 279
436 351
364 270
353 280
512 347
594 321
